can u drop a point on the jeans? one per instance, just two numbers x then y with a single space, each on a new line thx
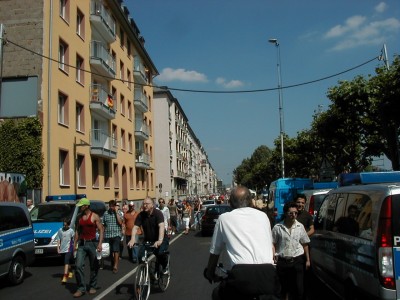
133 253
86 249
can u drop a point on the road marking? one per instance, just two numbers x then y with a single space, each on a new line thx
125 277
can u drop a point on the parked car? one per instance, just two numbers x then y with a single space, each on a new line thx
355 249
17 249
207 203
211 216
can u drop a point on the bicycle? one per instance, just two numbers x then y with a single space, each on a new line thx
146 275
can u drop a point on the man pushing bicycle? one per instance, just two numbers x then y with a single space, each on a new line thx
151 221
245 233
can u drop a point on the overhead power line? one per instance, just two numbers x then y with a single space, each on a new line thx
203 91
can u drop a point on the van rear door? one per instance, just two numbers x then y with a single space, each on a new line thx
396 241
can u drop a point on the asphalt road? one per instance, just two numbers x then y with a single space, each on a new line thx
189 255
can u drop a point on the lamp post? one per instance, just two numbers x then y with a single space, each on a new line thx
278 52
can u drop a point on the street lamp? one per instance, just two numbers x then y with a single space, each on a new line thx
278 52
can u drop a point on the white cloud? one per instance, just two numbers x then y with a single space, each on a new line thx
358 31
351 24
381 7
169 74
228 84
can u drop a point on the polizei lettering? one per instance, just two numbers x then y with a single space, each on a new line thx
42 231
396 241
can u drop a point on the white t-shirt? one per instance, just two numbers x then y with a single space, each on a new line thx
66 238
165 211
246 235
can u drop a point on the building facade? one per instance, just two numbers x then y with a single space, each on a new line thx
182 166
95 94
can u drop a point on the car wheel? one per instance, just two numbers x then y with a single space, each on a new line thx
16 272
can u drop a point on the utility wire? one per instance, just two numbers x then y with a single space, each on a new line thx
201 91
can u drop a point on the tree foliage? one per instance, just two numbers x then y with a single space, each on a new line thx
362 122
21 149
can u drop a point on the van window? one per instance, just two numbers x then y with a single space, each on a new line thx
52 212
12 217
326 214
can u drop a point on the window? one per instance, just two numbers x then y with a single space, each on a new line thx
123 139
12 217
80 124
130 143
151 153
106 166
114 136
63 56
80 74
95 172
80 171
80 24
122 104
150 128
62 109
129 110
121 71
128 79
116 177
129 49
64 168
64 9
131 178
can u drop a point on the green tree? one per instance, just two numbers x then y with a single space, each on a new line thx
21 149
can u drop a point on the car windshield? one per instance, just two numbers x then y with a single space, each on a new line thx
51 213
218 210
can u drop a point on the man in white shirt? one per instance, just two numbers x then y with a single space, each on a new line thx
29 204
245 233
165 210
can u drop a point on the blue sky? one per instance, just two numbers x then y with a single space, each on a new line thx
222 45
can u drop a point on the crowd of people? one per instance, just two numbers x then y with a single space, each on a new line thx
264 259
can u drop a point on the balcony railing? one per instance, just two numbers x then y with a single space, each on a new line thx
102 144
141 130
102 21
140 100
101 60
102 102
139 71
142 161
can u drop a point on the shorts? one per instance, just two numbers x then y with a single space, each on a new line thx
174 221
114 243
68 258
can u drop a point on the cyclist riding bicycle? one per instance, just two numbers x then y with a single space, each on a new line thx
151 221
245 233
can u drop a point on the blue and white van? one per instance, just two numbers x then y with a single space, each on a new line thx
47 219
284 190
355 249
16 241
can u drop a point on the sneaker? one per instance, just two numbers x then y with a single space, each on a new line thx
78 294
92 291
173 233
64 279
70 275
155 276
165 271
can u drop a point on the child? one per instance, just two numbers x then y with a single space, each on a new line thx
65 245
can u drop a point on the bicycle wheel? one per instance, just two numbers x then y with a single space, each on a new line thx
142 283
164 279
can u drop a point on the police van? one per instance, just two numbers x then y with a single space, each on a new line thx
16 241
47 219
284 190
355 249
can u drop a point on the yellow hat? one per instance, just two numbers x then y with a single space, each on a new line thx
83 201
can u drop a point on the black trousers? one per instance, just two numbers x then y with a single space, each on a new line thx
291 276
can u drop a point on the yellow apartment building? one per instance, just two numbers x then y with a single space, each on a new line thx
95 97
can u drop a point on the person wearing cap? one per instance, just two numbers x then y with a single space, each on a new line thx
113 223
86 245
130 217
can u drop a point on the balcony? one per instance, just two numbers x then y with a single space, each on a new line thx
102 144
101 60
142 161
141 130
102 21
102 102
140 100
139 71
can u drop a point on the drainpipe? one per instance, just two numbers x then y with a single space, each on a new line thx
49 100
